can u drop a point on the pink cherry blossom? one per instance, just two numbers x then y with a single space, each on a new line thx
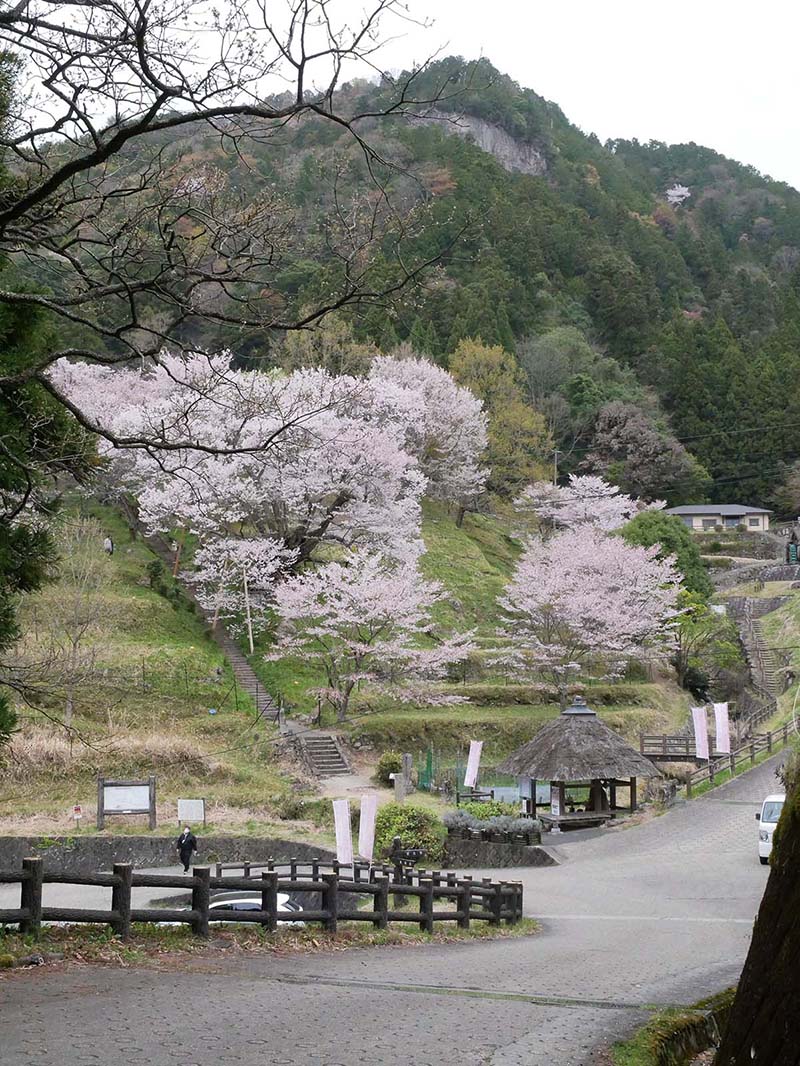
584 500
585 601
367 619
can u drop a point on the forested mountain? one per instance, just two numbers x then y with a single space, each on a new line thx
650 293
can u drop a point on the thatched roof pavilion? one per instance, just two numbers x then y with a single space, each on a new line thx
577 748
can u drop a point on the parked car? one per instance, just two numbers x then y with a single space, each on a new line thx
767 820
239 901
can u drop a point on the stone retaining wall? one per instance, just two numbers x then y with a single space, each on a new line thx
85 855
464 854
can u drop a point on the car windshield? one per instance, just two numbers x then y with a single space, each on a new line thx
772 811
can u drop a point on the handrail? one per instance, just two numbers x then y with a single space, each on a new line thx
486 900
756 745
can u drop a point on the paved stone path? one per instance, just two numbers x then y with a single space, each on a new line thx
655 914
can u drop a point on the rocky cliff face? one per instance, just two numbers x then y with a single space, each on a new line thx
511 154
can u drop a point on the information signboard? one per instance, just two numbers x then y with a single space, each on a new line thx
126 797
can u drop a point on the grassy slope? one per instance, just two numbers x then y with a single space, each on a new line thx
474 563
146 711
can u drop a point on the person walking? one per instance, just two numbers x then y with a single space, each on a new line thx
186 844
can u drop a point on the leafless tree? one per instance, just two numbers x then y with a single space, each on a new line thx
132 243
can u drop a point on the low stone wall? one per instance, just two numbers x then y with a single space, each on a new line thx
85 855
464 854
677 1041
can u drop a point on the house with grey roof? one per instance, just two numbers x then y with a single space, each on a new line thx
706 517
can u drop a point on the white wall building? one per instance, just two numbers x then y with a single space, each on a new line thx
706 517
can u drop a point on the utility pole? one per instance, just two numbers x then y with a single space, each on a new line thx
556 454
249 616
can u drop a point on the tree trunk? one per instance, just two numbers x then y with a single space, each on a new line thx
764 1026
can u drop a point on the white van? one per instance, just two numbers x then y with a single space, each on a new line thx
767 820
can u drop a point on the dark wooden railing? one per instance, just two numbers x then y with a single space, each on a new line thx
758 744
471 900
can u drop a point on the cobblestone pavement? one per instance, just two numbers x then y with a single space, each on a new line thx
656 914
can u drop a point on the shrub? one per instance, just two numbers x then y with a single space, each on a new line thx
391 762
460 819
155 574
490 809
417 827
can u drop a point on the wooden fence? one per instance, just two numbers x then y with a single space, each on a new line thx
761 742
471 900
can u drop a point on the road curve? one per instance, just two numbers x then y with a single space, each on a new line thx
655 914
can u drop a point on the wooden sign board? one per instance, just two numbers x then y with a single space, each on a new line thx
126 797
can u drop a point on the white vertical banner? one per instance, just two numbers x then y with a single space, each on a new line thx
722 727
473 762
344 837
366 825
700 732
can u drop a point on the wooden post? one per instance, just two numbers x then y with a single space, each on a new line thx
633 794
496 905
689 786
121 899
269 898
752 753
464 902
769 743
426 905
330 901
612 795
201 896
151 781
101 814
31 896
380 903
732 758
711 771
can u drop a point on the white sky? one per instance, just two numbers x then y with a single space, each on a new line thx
723 73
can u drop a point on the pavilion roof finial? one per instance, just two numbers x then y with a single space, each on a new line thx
580 706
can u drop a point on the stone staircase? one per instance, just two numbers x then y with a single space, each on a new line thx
767 663
246 677
323 754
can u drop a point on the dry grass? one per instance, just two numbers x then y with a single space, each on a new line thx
41 752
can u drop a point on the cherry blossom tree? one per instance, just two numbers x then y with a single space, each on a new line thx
294 457
234 580
367 620
583 599
584 500
444 423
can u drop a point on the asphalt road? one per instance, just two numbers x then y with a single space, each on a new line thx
656 914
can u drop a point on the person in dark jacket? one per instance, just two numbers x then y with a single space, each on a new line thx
186 844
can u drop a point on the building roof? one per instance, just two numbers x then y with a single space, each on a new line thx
732 510
577 746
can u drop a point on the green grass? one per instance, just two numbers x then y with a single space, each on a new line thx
88 943
655 1044
145 710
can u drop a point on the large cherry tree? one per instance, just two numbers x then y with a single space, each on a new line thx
367 620
583 602
301 458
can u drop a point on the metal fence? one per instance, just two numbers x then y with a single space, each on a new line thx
470 900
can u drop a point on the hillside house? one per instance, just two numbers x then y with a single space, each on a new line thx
706 517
